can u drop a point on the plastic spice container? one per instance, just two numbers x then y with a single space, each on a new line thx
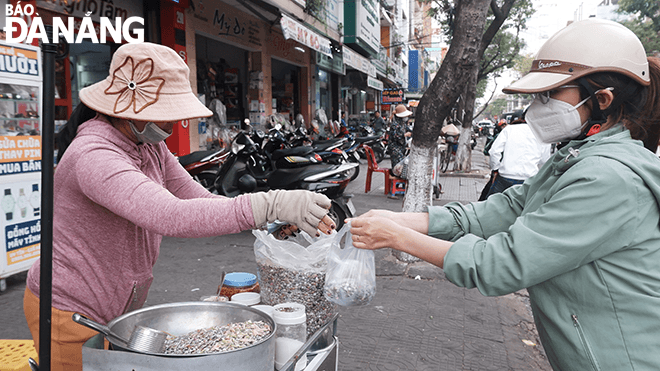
236 282
246 298
291 333
268 309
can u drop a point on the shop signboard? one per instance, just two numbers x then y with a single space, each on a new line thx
413 70
294 30
358 62
380 61
228 23
334 64
392 96
374 83
332 14
362 24
20 157
95 9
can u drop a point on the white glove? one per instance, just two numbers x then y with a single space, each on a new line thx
302 208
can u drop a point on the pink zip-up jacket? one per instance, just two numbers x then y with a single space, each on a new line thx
113 202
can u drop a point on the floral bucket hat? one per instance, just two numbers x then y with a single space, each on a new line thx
147 82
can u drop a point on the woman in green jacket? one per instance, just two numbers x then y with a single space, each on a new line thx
583 235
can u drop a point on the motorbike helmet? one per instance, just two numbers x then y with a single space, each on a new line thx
516 117
582 48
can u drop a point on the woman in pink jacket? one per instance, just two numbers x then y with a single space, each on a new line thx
118 190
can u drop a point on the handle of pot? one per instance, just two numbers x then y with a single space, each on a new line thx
105 330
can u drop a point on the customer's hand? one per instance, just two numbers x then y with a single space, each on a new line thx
375 231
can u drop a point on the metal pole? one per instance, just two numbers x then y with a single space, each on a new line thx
47 172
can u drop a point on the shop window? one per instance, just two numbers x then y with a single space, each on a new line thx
221 74
90 64
286 90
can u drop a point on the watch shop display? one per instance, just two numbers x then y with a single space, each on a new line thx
19 110
22 202
35 200
21 94
8 204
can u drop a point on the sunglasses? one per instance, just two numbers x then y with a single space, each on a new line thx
544 97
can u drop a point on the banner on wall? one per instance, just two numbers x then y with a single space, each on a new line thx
294 30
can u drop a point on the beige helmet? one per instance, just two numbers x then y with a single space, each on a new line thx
582 48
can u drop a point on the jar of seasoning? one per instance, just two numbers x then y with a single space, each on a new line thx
291 333
236 282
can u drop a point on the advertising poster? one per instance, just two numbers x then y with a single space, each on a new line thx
20 157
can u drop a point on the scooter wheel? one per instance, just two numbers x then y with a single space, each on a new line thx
338 215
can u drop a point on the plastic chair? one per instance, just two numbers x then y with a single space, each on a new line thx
372 167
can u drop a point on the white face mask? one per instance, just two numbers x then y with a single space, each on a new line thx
151 133
554 121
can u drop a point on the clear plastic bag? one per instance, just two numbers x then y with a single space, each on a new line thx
294 270
351 276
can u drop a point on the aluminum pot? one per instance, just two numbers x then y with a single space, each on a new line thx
179 319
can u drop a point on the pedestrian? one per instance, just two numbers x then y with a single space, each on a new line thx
118 190
398 134
583 234
379 124
516 154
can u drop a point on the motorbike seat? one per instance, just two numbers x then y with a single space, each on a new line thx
320 146
295 151
367 139
289 178
195 157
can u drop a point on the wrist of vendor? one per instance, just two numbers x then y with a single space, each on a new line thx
442 224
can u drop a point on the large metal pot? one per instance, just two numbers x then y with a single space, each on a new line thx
179 319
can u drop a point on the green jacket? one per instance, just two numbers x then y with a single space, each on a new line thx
583 237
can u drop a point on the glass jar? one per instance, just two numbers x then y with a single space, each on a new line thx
291 333
236 282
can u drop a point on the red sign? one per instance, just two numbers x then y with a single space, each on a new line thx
392 96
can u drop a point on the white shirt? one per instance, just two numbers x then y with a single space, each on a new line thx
517 154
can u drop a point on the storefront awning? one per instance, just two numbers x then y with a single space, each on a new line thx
293 29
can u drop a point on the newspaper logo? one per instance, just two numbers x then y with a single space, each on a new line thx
18 30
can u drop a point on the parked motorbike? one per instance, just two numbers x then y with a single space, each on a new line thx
248 169
204 166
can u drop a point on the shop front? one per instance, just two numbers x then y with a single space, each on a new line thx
328 88
360 91
252 66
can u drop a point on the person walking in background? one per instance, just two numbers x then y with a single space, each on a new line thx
379 124
516 154
583 234
398 134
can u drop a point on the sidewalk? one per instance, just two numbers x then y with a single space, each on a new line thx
417 321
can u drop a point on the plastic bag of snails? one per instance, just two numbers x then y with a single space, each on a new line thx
351 272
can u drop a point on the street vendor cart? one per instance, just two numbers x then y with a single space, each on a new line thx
321 348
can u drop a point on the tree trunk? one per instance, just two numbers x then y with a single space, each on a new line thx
461 62
464 152
419 192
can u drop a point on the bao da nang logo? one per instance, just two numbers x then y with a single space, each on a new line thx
75 30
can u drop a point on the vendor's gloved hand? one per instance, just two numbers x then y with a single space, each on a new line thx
302 208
